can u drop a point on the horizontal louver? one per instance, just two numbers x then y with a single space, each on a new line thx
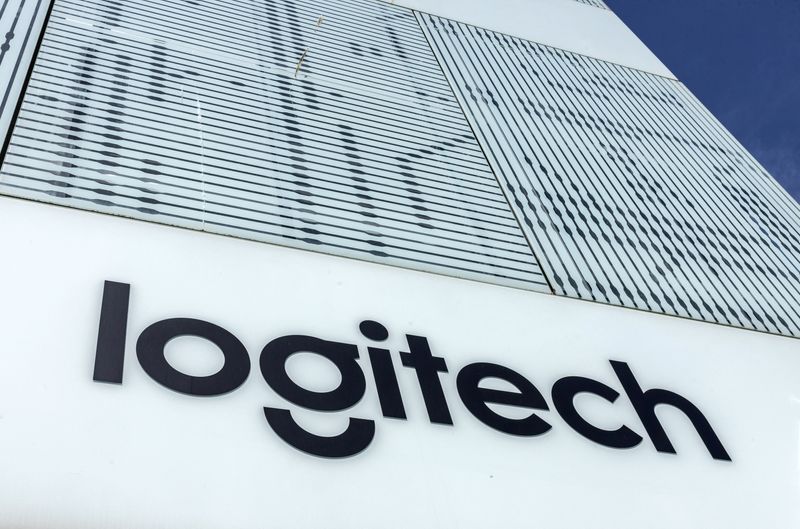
333 127
20 21
321 126
595 3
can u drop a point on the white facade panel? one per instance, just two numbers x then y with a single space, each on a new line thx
195 365
82 454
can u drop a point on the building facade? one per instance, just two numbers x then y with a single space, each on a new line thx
370 263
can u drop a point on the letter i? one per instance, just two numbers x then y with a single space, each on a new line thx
383 370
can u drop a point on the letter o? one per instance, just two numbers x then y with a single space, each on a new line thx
150 351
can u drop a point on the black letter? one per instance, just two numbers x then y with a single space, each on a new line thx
359 432
383 370
645 402
564 392
354 439
153 340
428 368
342 355
475 399
109 356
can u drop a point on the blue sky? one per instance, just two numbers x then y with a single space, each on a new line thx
742 59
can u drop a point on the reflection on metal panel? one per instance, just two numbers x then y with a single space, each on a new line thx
321 126
632 193
20 21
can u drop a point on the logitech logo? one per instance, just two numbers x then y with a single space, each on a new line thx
427 367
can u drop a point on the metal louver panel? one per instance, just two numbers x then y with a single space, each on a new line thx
595 3
321 126
632 193
20 21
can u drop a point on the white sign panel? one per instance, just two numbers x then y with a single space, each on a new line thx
158 377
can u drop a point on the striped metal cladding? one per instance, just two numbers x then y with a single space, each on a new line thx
595 3
631 192
18 35
333 128
326 127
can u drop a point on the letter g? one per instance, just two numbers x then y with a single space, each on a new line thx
359 432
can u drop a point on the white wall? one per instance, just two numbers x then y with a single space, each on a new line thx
564 24
79 454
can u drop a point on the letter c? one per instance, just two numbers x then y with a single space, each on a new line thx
564 392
